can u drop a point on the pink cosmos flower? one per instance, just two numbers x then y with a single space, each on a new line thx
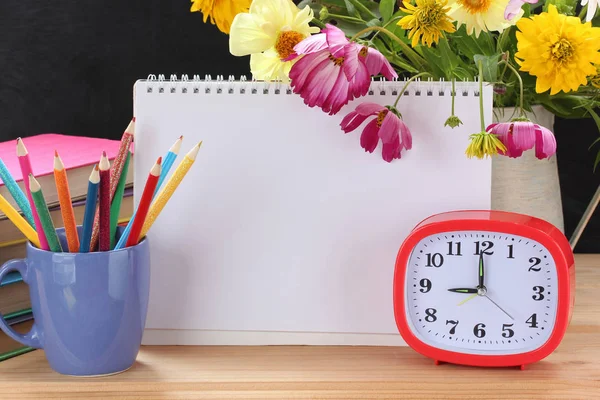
332 70
519 136
514 7
388 127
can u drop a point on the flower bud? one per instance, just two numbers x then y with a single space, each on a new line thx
500 88
324 13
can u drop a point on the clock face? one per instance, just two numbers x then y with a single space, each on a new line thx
480 292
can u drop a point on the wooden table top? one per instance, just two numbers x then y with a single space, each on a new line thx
300 372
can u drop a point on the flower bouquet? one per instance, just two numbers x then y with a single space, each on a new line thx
543 52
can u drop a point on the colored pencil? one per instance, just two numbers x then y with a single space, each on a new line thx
168 161
115 176
44 215
66 207
25 164
165 194
90 210
144 205
115 206
104 206
19 221
16 193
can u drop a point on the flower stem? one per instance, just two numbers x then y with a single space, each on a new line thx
347 18
514 71
386 25
481 97
318 23
406 85
453 95
410 53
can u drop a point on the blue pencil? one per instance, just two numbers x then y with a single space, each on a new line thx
90 211
167 163
16 193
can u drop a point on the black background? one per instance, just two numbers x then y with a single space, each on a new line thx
69 66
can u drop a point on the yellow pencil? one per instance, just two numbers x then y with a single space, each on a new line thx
19 221
163 197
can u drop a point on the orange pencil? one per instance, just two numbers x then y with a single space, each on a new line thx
144 206
66 207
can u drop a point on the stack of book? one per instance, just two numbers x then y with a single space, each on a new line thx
79 154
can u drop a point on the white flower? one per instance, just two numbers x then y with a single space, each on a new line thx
591 10
481 15
269 32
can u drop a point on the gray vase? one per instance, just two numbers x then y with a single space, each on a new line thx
527 185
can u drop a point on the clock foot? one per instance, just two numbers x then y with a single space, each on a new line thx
522 366
437 362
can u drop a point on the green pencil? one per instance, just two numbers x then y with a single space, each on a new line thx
44 214
115 207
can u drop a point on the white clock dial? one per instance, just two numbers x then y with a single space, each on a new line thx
513 312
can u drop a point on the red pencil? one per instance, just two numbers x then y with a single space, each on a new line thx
144 206
115 175
104 200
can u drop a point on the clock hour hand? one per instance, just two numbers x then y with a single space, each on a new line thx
464 290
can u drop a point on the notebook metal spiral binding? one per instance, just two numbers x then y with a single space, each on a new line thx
220 85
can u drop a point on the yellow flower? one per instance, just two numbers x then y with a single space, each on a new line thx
221 12
559 50
595 80
481 15
269 33
426 21
484 144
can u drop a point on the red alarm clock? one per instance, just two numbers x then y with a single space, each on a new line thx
484 288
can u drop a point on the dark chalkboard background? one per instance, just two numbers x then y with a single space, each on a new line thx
69 66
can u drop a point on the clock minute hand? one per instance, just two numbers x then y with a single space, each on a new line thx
464 290
481 271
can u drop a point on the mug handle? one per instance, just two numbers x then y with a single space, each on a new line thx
31 338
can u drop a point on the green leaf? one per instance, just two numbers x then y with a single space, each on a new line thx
386 9
434 60
469 45
597 161
463 74
593 114
374 22
450 61
490 66
351 9
362 7
351 28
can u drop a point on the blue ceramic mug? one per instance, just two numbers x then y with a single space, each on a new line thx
89 308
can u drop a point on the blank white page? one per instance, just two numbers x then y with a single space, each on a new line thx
284 223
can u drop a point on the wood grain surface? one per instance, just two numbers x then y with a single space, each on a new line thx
303 372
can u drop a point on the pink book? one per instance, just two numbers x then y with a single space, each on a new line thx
79 154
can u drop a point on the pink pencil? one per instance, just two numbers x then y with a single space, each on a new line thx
25 164
104 205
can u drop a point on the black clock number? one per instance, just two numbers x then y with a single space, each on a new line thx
534 264
510 251
478 330
532 321
538 290
454 248
435 260
425 285
430 315
486 247
507 332
454 325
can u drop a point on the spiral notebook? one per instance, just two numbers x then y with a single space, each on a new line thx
285 231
